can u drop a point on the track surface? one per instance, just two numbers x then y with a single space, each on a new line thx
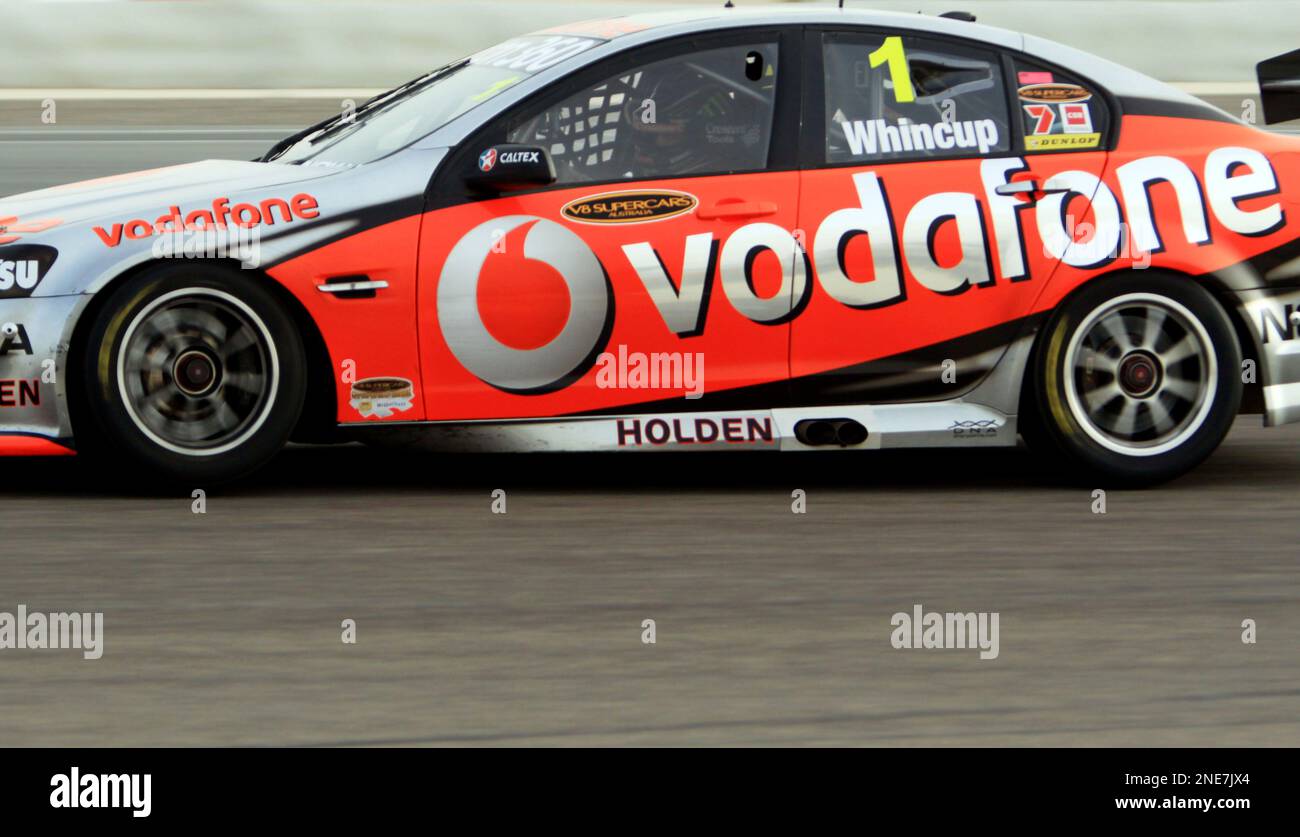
525 628
1118 629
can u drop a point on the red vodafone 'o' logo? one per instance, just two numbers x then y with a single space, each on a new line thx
525 357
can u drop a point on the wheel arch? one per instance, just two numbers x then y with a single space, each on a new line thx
318 420
1252 399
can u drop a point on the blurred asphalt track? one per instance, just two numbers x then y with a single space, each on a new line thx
773 628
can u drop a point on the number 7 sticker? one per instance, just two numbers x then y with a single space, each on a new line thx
1044 115
891 52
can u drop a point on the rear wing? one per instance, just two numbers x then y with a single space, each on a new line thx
1279 87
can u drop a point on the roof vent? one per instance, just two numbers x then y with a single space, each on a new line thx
965 17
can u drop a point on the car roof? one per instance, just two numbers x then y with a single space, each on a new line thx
622 33
655 25
631 30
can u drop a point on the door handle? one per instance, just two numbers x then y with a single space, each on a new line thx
1029 186
352 287
736 209
1018 187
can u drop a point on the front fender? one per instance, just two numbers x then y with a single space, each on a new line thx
34 365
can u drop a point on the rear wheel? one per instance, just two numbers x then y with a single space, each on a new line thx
1136 379
195 373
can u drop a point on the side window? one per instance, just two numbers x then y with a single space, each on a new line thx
1057 112
899 97
706 112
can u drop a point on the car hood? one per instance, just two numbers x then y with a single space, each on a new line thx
118 196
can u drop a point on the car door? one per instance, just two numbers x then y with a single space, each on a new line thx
657 273
922 210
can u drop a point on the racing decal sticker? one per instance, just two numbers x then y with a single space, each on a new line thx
20 392
525 305
1062 142
243 215
1058 116
533 53
14 340
13 228
382 397
870 137
1044 118
630 207
509 157
511 166
568 353
1076 118
981 428
1276 324
1034 77
754 430
22 267
1055 93
746 134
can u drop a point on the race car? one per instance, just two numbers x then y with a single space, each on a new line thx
787 229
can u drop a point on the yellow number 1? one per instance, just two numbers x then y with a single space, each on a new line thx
891 51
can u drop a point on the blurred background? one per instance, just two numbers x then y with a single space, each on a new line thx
172 81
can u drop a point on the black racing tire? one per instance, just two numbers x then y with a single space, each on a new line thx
1135 380
193 373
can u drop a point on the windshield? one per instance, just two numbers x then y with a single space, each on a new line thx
396 119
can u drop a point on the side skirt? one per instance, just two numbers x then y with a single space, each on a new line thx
922 425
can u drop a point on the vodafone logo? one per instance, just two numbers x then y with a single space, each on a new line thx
241 215
532 342
560 360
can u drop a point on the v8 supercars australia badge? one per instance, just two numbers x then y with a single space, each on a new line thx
629 207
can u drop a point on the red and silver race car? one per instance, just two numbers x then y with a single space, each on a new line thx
792 229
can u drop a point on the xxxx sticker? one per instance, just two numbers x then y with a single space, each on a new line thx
382 397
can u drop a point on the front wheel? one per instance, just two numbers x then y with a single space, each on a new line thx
195 372
1136 379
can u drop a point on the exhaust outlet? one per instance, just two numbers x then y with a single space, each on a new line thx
837 431
815 433
849 433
